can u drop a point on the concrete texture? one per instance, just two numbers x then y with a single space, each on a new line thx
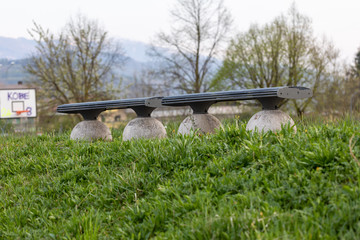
205 123
144 127
269 120
91 130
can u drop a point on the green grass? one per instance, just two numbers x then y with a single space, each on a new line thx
229 185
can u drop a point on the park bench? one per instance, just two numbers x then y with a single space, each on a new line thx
268 97
90 128
147 127
143 107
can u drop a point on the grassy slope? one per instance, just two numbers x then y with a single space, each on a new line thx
228 185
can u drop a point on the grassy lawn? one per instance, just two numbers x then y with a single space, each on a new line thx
229 185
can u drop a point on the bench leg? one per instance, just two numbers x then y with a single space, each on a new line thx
91 130
270 120
144 127
204 123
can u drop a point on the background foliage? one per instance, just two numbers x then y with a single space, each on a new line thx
74 66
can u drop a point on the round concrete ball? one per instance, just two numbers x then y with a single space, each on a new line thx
144 127
270 120
204 123
91 130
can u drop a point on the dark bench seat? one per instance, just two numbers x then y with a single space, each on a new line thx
90 110
269 97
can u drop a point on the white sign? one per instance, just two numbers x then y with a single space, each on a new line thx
17 103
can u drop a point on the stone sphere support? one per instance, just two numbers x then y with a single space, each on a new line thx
144 127
204 123
269 120
90 130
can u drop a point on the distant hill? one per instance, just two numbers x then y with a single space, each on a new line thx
14 51
18 48
135 50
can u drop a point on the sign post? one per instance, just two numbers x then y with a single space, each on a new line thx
17 103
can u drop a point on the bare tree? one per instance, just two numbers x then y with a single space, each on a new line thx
148 83
187 54
75 65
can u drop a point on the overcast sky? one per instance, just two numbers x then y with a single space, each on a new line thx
139 20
